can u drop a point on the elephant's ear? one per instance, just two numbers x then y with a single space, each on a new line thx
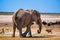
34 17
36 13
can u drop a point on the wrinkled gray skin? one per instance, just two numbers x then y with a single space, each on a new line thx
24 18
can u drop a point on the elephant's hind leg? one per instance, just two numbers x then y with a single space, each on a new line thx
14 29
20 30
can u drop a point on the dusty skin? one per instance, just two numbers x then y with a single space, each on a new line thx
6 33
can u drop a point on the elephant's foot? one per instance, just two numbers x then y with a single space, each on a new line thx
38 31
23 35
30 36
13 36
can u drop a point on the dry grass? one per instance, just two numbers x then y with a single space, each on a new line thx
43 36
18 38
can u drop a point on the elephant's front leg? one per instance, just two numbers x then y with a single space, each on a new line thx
28 30
25 33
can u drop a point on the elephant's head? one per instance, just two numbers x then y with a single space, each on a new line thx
36 17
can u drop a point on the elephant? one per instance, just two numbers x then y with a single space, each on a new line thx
25 18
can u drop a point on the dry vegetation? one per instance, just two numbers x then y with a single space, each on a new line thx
43 36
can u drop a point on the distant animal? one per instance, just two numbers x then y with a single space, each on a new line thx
44 23
49 30
58 22
48 24
24 18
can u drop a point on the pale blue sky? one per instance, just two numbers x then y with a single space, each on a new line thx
52 6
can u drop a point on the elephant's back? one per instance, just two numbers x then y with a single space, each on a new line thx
26 19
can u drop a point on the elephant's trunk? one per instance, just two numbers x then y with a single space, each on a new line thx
40 26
